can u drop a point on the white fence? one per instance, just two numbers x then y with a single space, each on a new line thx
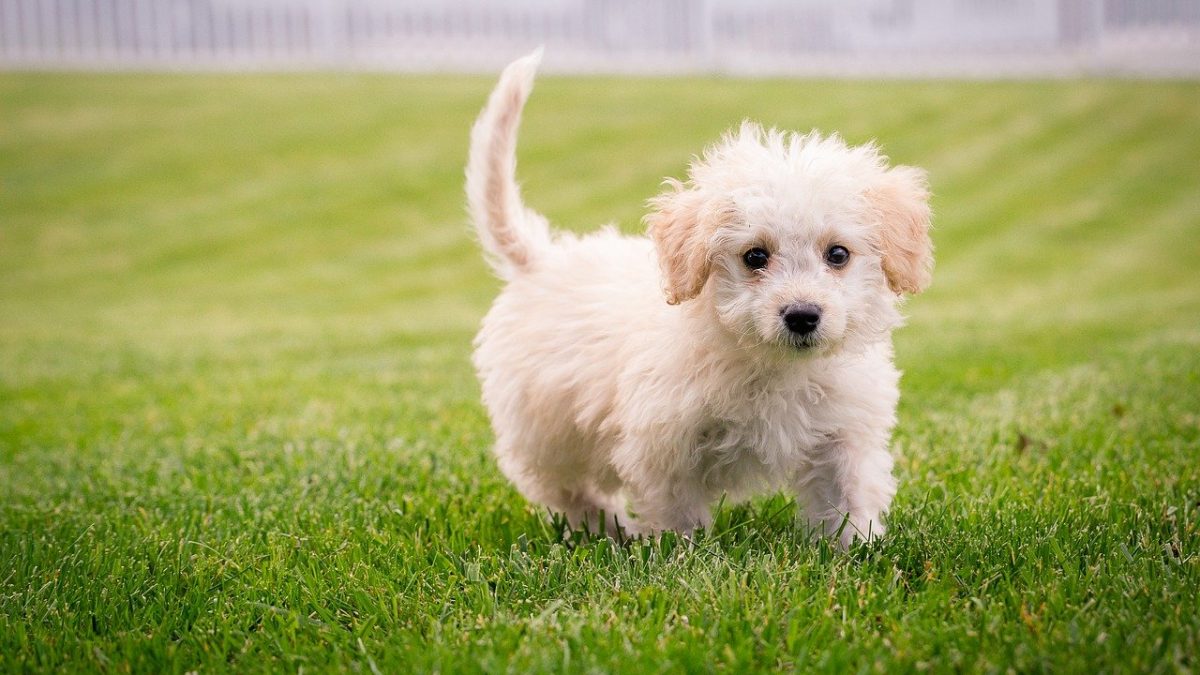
847 37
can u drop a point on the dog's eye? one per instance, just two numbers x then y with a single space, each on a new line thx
756 258
837 256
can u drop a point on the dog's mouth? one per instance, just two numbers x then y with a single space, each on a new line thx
813 344
802 343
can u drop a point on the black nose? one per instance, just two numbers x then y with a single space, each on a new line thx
802 318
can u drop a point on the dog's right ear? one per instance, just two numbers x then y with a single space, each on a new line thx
681 238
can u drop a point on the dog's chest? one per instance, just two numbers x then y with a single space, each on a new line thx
763 435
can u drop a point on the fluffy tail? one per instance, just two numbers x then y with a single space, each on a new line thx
513 236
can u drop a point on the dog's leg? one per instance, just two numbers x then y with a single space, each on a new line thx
846 490
544 474
592 512
676 505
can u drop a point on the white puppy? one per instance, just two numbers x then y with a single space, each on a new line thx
767 365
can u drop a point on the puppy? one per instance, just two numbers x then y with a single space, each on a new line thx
744 346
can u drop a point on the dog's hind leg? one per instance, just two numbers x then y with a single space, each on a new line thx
592 512
679 506
547 475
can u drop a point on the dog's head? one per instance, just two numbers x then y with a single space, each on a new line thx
795 240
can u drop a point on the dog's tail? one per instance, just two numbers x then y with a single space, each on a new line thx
512 235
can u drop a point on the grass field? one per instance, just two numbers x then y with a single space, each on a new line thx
239 427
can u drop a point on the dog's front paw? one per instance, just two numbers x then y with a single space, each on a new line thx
866 531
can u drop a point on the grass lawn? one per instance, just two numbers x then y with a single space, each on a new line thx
239 428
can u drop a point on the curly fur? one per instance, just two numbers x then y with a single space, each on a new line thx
644 378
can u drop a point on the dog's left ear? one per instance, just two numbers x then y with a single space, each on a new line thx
900 202
680 235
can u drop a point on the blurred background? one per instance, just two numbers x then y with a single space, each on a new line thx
1006 38
239 425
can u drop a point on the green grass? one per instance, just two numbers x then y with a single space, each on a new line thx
239 427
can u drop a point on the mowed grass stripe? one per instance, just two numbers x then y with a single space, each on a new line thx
566 155
1007 116
1030 159
1095 240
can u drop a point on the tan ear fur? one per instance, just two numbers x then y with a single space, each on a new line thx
680 236
901 204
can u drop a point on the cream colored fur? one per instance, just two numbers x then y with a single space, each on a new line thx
645 378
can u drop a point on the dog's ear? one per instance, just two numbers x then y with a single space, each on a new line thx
900 202
680 236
